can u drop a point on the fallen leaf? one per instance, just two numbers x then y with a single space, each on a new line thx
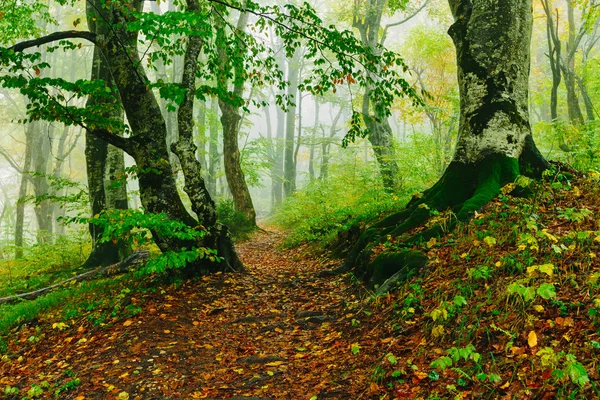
532 340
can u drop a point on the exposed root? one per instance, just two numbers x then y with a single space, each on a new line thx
464 189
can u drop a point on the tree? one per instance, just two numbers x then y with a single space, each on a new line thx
367 17
103 160
495 144
230 51
146 134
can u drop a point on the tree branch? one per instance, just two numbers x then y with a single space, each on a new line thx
89 36
385 30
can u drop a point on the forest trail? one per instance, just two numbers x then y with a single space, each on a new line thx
275 332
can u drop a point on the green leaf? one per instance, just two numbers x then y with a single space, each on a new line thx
392 360
577 373
546 291
355 348
460 301
433 376
442 363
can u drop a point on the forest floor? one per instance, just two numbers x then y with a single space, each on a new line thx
508 307
275 332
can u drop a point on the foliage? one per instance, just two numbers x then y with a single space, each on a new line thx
43 264
352 195
338 58
236 222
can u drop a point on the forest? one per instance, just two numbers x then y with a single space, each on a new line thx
240 199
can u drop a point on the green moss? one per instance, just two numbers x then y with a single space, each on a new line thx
494 172
407 262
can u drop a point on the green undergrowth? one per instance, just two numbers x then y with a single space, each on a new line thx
508 305
44 264
324 209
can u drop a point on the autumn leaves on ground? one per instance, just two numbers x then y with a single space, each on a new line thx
506 308
275 332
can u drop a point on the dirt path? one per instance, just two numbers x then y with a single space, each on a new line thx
276 332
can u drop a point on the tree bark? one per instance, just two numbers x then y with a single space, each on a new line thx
289 166
104 162
495 144
380 132
231 122
30 132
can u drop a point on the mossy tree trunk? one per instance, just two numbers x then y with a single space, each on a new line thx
495 145
231 121
103 161
148 145
367 19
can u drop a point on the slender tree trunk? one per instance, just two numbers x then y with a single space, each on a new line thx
380 132
277 167
575 115
213 150
311 159
43 209
30 132
289 172
231 122
184 148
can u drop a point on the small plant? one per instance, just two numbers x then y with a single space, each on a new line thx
563 366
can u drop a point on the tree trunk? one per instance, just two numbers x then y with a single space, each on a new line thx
277 167
148 147
380 132
103 162
289 166
231 122
495 144
213 150
30 132
575 115
41 142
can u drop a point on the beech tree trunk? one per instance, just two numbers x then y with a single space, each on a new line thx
493 83
30 131
368 22
495 145
148 146
231 121
104 162
289 163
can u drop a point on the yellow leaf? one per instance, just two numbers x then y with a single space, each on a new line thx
438 331
167 331
274 364
507 384
421 375
490 241
464 255
432 242
548 269
498 264
532 339
549 235
538 308
128 322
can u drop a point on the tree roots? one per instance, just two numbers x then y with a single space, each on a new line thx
464 189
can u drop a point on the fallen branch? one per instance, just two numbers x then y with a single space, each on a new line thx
123 266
